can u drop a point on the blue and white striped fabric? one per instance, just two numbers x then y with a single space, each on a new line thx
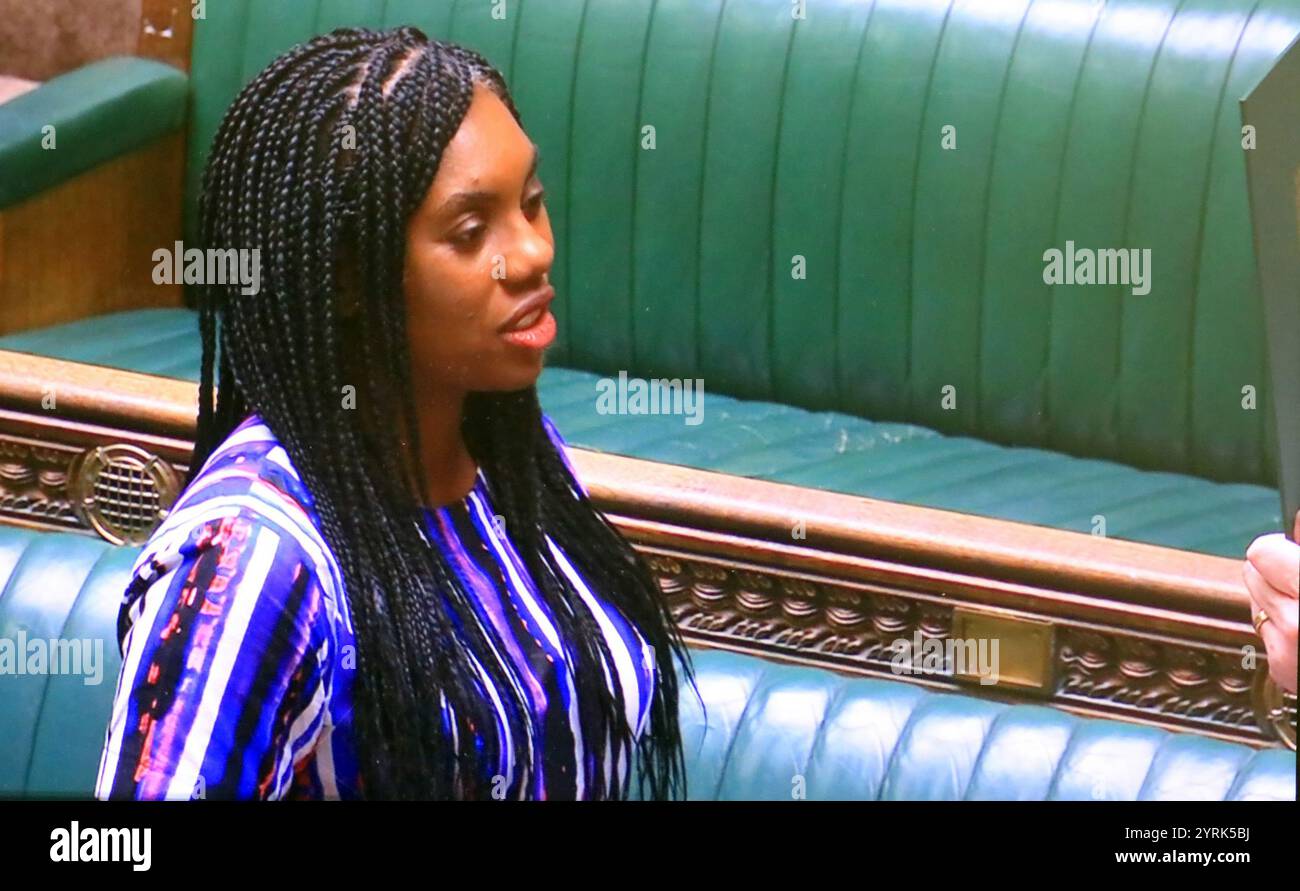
238 648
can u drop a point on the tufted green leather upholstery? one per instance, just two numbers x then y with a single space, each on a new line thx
1110 124
826 450
756 725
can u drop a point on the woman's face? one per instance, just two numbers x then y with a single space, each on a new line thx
478 254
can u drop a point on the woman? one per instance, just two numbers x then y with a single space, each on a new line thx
383 579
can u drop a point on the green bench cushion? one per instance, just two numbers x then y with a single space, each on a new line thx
98 112
151 341
756 727
826 450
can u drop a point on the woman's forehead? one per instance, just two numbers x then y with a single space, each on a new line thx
488 150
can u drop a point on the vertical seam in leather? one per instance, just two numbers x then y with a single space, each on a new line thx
1151 768
908 376
509 73
31 745
704 171
841 687
45 694
1075 726
918 705
1117 412
1195 451
759 684
1054 438
984 744
980 301
1244 770
837 366
633 303
245 75
770 387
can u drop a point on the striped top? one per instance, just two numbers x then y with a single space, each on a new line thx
238 650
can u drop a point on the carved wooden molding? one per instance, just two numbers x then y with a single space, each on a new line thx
1114 672
1110 628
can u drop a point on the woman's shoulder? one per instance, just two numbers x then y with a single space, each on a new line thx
249 482
249 543
250 460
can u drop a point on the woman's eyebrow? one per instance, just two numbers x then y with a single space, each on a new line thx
478 197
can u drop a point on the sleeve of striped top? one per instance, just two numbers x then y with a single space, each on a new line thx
222 687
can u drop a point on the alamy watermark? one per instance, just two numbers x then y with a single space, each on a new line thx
88 844
215 266
1107 266
958 656
656 396
38 656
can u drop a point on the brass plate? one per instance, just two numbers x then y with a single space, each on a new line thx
1014 651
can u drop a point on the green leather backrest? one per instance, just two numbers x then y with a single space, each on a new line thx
1110 124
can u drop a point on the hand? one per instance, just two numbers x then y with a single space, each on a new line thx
1272 574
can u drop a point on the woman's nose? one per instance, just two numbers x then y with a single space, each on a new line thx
532 253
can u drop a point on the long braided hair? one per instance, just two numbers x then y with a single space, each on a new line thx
325 209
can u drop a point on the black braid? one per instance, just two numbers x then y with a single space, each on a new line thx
281 180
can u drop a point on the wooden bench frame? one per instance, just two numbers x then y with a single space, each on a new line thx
1100 627
116 214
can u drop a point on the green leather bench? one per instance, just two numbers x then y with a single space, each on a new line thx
829 450
914 160
760 730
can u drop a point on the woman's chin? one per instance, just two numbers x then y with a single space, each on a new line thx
518 374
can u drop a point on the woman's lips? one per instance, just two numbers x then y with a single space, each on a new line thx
537 336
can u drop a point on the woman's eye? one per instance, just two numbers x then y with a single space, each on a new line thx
469 236
535 202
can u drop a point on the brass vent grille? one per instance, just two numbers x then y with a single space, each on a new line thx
123 492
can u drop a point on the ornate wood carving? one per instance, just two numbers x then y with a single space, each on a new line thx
34 483
1139 633
1200 686
1114 672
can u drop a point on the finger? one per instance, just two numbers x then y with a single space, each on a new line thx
1274 639
1250 577
1278 561
1281 678
1263 595
1275 644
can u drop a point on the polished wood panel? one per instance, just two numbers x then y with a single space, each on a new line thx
85 247
1092 569
166 31
94 395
